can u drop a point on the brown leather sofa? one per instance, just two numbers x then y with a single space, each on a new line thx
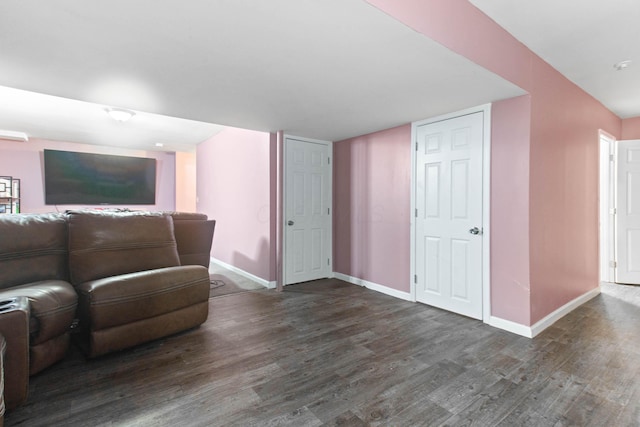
117 275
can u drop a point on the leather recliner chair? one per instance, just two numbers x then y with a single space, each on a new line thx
131 286
33 264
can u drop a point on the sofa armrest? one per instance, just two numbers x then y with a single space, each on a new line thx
14 327
52 304
3 351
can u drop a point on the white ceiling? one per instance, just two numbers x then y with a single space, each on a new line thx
326 69
582 39
63 119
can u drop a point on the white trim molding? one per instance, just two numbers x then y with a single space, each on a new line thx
267 284
553 317
607 204
374 287
550 319
509 326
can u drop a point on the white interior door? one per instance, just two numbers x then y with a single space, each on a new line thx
628 213
307 228
449 209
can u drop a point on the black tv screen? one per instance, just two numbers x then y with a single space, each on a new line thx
72 178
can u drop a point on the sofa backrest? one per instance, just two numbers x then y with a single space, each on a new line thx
104 244
194 236
33 247
180 216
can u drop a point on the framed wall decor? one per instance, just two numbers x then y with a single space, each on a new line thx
9 195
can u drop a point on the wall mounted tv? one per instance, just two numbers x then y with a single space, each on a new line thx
72 178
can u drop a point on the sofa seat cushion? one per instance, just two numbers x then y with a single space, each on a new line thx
53 307
105 244
127 298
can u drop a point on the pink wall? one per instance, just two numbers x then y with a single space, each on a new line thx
372 175
631 128
565 121
24 160
234 188
510 129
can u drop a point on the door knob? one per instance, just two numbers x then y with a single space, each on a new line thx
290 223
474 230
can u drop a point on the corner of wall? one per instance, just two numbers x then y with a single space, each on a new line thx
510 157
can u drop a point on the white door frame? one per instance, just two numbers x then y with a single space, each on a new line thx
486 201
329 145
607 191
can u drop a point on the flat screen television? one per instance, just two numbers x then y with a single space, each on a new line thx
72 178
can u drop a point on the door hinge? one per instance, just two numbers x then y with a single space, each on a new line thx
328 261
613 211
416 146
416 212
415 278
328 160
613 264
611 157
328 211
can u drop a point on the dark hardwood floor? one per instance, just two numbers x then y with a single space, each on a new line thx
330 353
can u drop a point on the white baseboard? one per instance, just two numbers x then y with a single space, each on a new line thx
550 319
374 286
267 284
553 317
509 326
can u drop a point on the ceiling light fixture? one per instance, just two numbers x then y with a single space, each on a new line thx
159 144
14 136
120 114
621 65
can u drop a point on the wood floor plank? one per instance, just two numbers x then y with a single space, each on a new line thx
490 407
456 395
547 403
421 412
346 419
394 403
364 383
591 410
629 415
